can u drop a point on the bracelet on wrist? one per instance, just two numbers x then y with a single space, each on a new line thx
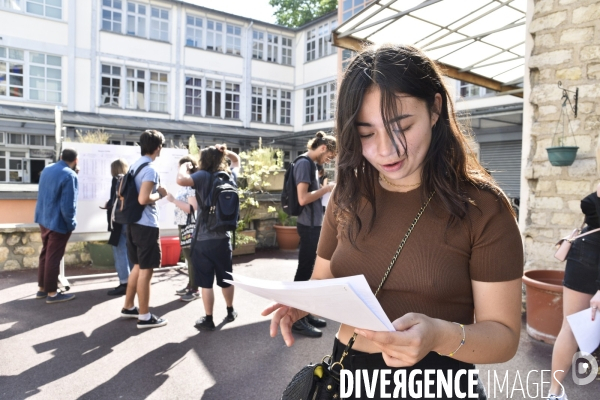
462 342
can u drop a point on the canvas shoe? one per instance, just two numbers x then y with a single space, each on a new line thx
183 291
118 291
153 322
59 298
125 313
204 324
231 316
41 295
190 296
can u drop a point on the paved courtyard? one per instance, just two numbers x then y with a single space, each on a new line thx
83 350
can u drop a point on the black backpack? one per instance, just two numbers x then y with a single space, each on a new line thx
289 195
221 211
127 209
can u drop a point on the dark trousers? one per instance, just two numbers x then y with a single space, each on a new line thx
53 250
309 239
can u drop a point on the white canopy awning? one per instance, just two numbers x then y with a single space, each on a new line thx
477 41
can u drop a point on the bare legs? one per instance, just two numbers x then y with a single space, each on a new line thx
208 297
565 345
139 283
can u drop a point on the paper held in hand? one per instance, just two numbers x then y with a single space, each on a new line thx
347 300
586 331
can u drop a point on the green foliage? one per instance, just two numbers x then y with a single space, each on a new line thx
193 146
295 13
286 220
97 136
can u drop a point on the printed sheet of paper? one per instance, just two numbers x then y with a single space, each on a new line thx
325 199
346 300
586 331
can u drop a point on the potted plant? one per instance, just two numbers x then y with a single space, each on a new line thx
563 155
287 231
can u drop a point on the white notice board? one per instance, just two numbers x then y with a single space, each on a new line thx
95 179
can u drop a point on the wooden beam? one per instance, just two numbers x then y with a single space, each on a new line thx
354 44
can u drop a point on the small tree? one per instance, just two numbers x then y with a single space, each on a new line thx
97 136
295 13
193 148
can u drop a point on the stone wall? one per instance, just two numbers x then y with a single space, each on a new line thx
20 247
566 48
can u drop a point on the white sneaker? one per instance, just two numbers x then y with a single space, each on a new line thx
563 396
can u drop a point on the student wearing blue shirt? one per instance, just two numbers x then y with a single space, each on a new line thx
57 192
143 236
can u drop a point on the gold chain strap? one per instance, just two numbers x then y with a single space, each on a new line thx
387 273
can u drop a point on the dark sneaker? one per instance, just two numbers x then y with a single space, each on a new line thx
118 291
183 291
232 316
130 313
302 327
41 295
190 296
153 322
316 322
205 325
59 298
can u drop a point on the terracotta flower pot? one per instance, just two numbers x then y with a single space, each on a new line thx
287 237
544 303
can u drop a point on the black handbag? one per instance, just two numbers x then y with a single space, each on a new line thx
322 381
187 232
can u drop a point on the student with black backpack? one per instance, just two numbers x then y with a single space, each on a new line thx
143 237
218 202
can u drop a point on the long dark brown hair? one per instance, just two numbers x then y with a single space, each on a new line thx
213 160
447 168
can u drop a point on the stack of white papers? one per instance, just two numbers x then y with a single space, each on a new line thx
586 331
348 300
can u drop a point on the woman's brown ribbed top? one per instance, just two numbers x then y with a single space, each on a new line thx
433 273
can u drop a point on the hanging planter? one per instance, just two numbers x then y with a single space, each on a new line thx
561 155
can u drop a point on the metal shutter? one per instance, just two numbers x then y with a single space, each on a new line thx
503 160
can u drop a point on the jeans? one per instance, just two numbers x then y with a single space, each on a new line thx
190 266
309 239
53 250
120 255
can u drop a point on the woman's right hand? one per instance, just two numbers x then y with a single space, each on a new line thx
170 197
284 317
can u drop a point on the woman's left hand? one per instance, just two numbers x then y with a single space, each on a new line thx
595 304
414 338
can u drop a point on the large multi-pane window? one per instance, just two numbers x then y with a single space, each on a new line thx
47 8
11 4
234 40
193 33
272 47
257 102
272 106
136 89
286 51
214 35
232 100
213 98
258 44
319 102
12 63
466 89
159 86
193 96
352 7
136 19
111 85
112 15
159 24
286 108
45 77
317 41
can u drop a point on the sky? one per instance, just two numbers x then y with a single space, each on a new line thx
256 9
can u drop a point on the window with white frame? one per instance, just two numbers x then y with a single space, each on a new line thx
159 24
319 102
257 108
271 106
136 89
311 44
346 56
136 19
194 31
2 138
258 45
272 47
286 108
159 86
232 100
234 40
11 72
322 37
45 76
47 8
11 4
111 85
112 15
35 140
286 51
193 96
352 7
214 35
466 89
213 98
